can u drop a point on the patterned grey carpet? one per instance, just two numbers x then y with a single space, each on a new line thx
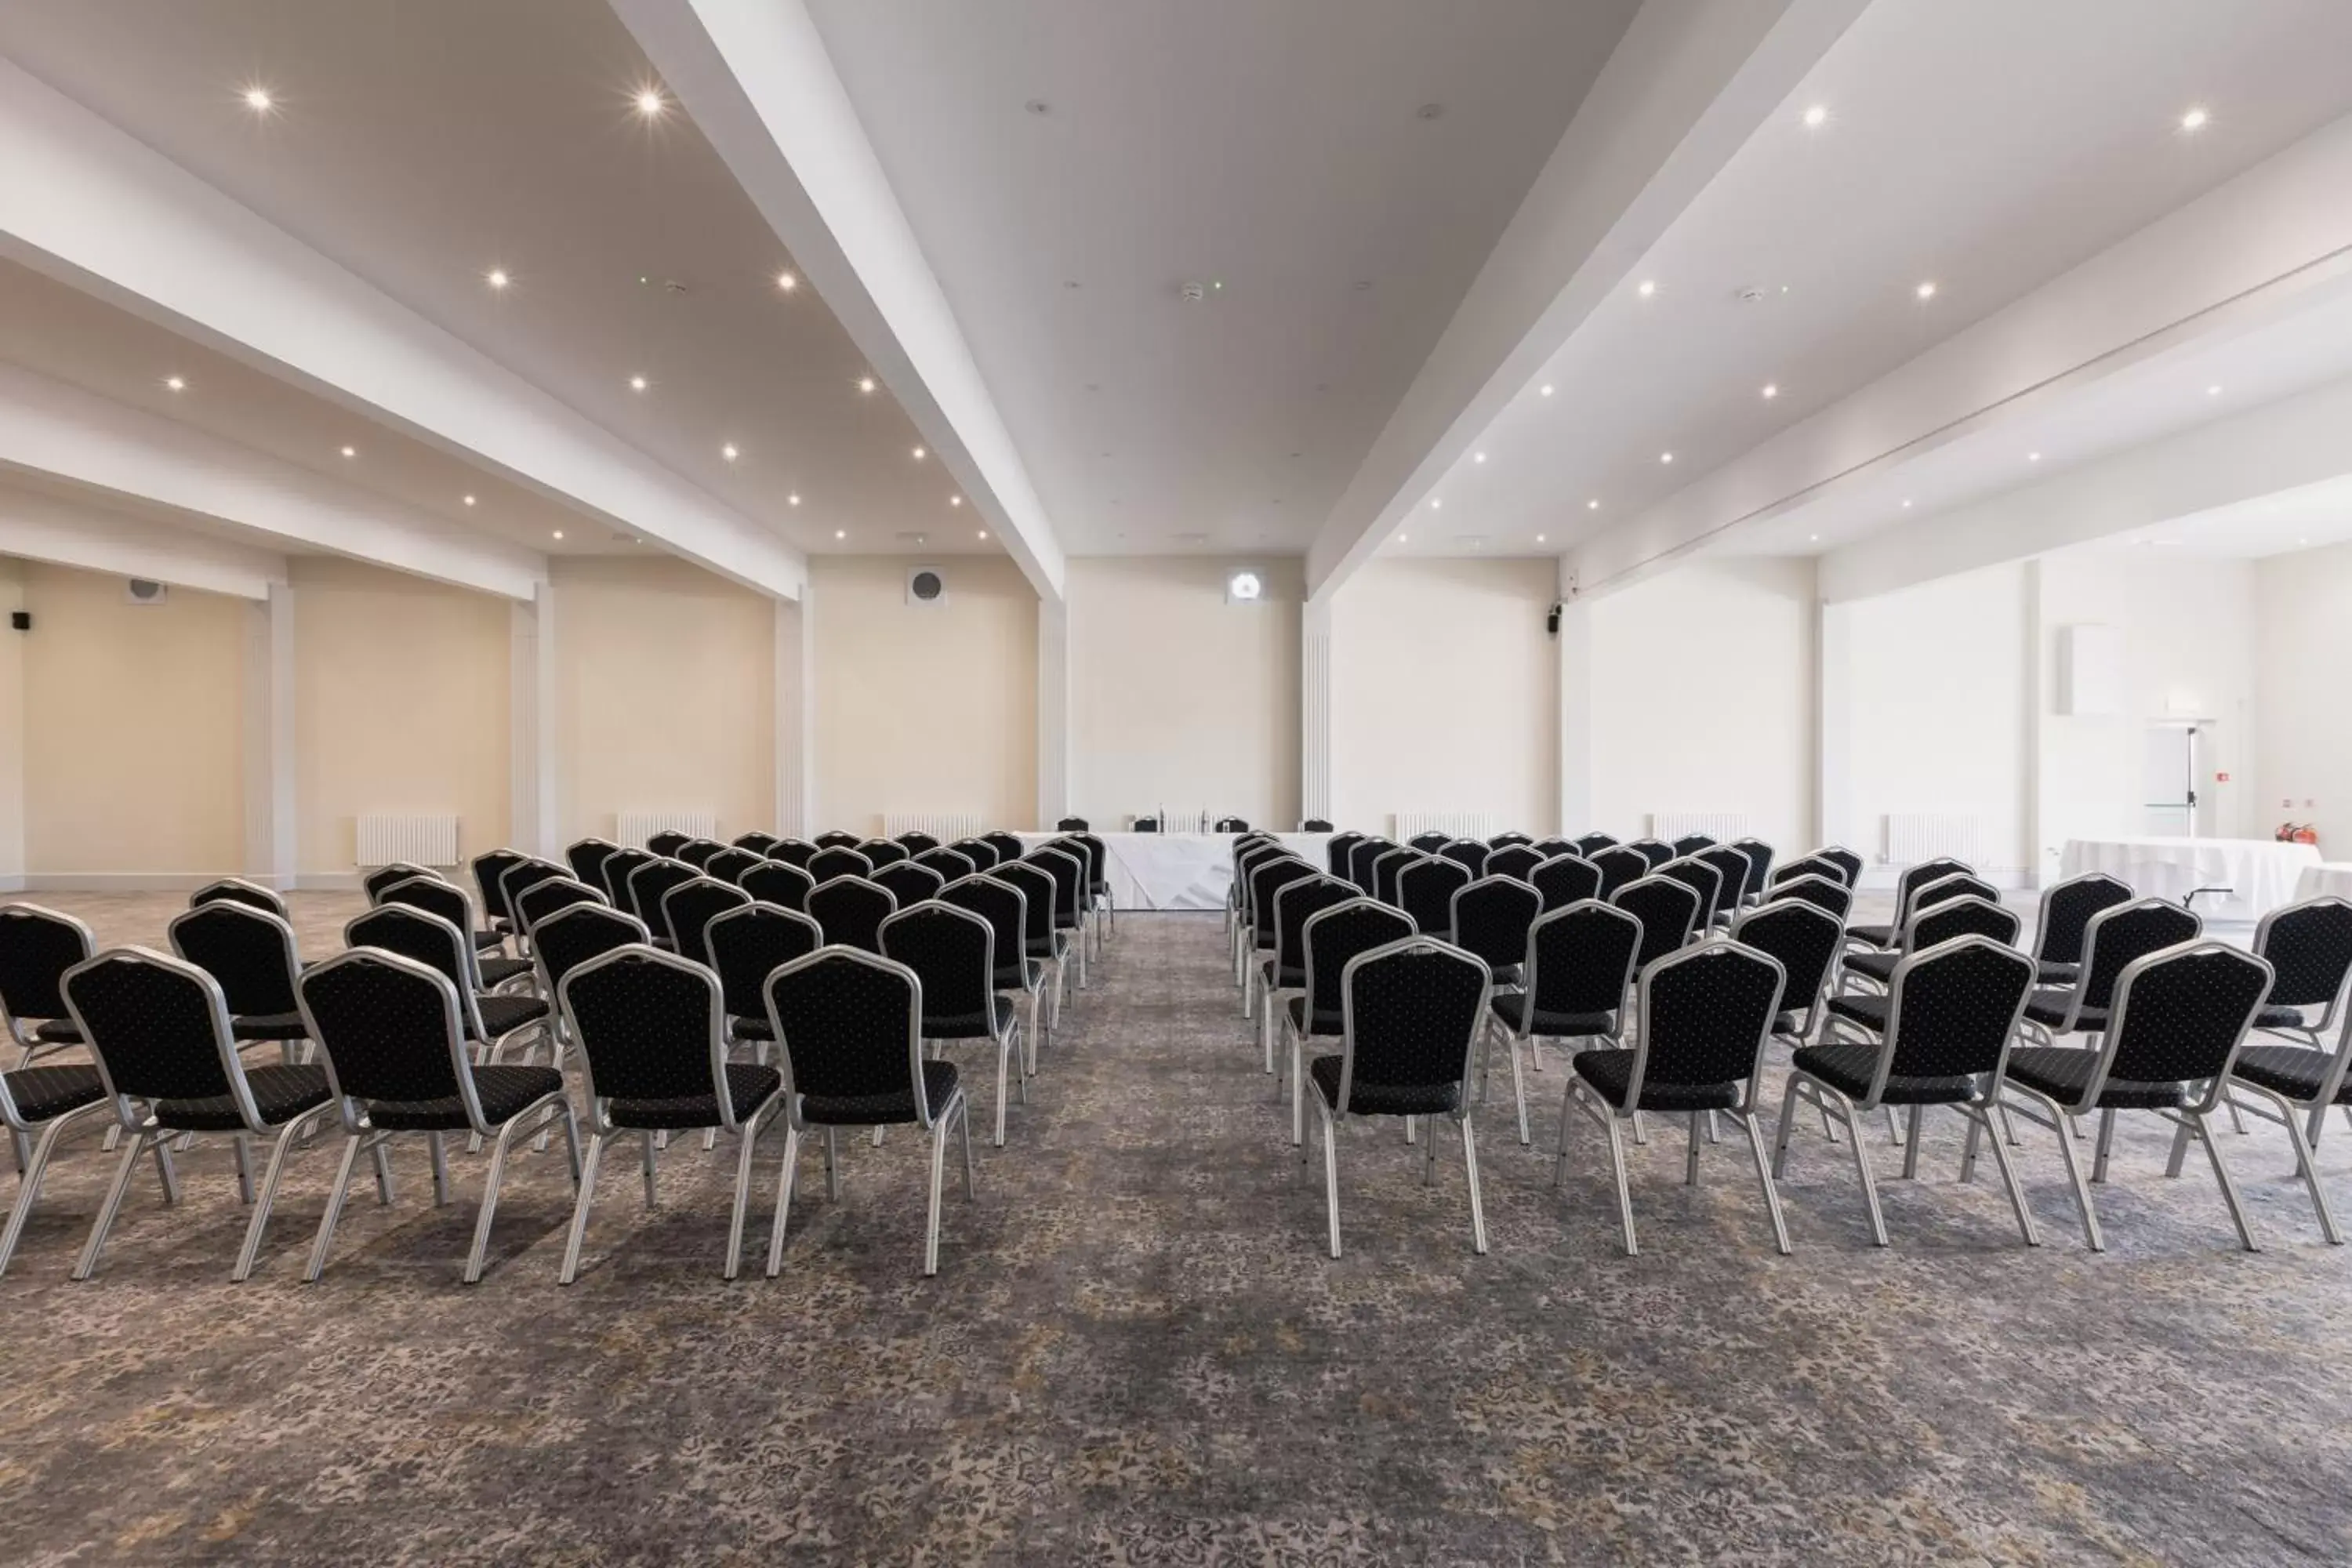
1135 1351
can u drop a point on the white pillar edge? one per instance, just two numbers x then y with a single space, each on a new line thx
1053 711
1832 727
269 776
13 747
795 737
1315 782
1573 649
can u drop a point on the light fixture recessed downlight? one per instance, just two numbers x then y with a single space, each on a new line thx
1817 116
794 498
1544 391
637 384
1477 456
1539 539
2214 391
1924 290
2195 118
729 452
497 278
787 282
258 99
2032 457
1437 503
864 383
468 500
1665 456
1648 287
983 533
921 454
559 533
650 102
175 383
841 534
1772 389
350 451
1592 505
955 500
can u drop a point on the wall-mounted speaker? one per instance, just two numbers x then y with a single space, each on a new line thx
22 620
140 591
1552 622
926 586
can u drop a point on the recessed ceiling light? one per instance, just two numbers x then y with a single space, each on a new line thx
955 500
176 382
787 282
919 454
1649 287
983 533
559 533
257 99
1592 505
1926 291
1437 503
497 278
1772 389
794 498
841 534
1665 456
1539 539
1906 503
1402 539
1812 539
470 500
1544 391
1817 116
350 451
2213 391
637 384
1475 456
2032 457
2194 120
864 383
2303 541
650 102
728 452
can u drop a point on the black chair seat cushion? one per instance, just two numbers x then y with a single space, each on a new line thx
1382 1098
1511 975
2059 974
2061 1071
1870 1011
1846 1065
1046 946
2048 1008
280 1093
1289 977
1326 1022
748 1086
503 1089
748 1028
57 1032
971 1026
1877 936
502 1015
1512 1009
882 1109
1611 1071
498 971
486 939
2280 1018
2290 1070
1020 975
44 1094
269 1027
1879 967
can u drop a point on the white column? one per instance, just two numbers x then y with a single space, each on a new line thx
1053 711
2039 868
1573 649
12 739
1315 708
269 827
796 716
535 822
1833 726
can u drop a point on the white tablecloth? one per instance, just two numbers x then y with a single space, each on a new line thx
2328 876
1176 870
2260 872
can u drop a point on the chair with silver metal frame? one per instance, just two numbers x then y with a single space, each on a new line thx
697 852
1335 853
1566 879
1929 924
950 864
1759 869
1691 844
1804 940
1656 851
908 883
1006 909
1040 942
542 899
1070 824
1411 1012
492 1021
491 869
689 907
1490 921
1315 825
1006 844
665 843
1282 969
2180 1015
884 852
1705 1013
1806 866
1590 843
39 1105
37 946
1331 938
745 945
1555 845
236 890
1703 879
850 912
1388 867
1577 964
1069 874
1668 910
983 856
1101 914
617 868
761 844
394 1041
527 872
1249 851
1429 843
1361 857
493 969
836 860
1730 866
570 937
649 884
2067 908
952 952
915 842
1824 893
1260 907
587 856
250 953
1510 836
1467 853
2282 1083
158 1030
851 1026
2309 946
1952 1012
1620 866
779 882
732 864
1514 861
651 1027
792 852
2116 937
1906 889
1225 825
834 838
1426 889
1844 859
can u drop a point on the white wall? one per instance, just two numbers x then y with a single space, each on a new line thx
2303 725
1178 700
12 732
1702 699
1445 692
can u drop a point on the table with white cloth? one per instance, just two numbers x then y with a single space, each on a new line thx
2261 873
2328 878
1177 871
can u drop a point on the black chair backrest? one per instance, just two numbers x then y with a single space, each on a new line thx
526 873
1315 825
1035 885
2119 935
1656 851
1848 863
1491 917
1760 865
2066 910
1810 866
413 932
850 1024
1004 906
157 1026
1822 892
1701 878
1496 841
666 843
587 859
834 838
1467 853
1008 846
650 1025
1094 852
1668 910
795 852
571 937
37 947
1225 825
1361 854
1691 844
1730 865
2180 1016
1333 937
391 1030
837 860
1296 904
688 908
1580 958
1959 885
779 882
1426 889
850 912
1411 1011
908 883
1266 881
983 856
1513 860
372 884
1566 879
1803 939
249 952
1388 867
1590 843
950 864
1071 825
917 842
731 864
1925 874
1547 848
1954 1007
491 869
618 868
697 852
541 900
1706 1014
1069 874
651 883
758 843
1941 922
436 897
884 852
1429 843
2309 949
953 953
748 944
1620 866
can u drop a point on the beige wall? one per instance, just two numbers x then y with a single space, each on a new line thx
12 731
665 694
399 704
133 734
1445 692
1178 698
922 708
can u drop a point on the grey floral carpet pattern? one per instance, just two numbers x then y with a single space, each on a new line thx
1137 1350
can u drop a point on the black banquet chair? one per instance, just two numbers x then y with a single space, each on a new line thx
689 907
837 860
952 952
37 947
1578 969
1564 879
884 852
1515 860
491 1022
779 883
746 946
908 883
1411 1012
236 890
651 1029
1425 890
1668 910
1331 938
850 912
587 858
850 1025
39 1105
251 953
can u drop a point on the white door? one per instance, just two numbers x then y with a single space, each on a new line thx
2169 782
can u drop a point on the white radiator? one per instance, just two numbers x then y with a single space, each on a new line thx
947 826
1916 835
1723 826
1405 825
418 837
636 826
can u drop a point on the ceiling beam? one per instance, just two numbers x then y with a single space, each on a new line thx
86 203
758 80
66 533
1686 87
47 427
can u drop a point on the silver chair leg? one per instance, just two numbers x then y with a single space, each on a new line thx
2304 1163
939 1172
490 1181
1641 1131
1869 1180
1519 1089
29 1185
1713 1134
647 1140
1785 1122
165 1173
1764 1176
1914 1122
2228 1186
832 1165
383 1177
581 1207
2025 1225
1330 1173
439 1147
747 1135
1624 1189
318 1265
1690 1158
1894 1127
279 1149
2066 1137
2107 1142
133 1148
964 1125
1004 1066
1429 1158
785 1172
244 1149
1478 1203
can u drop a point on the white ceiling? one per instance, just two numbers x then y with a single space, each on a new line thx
2305 518
1276 148
1987 148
